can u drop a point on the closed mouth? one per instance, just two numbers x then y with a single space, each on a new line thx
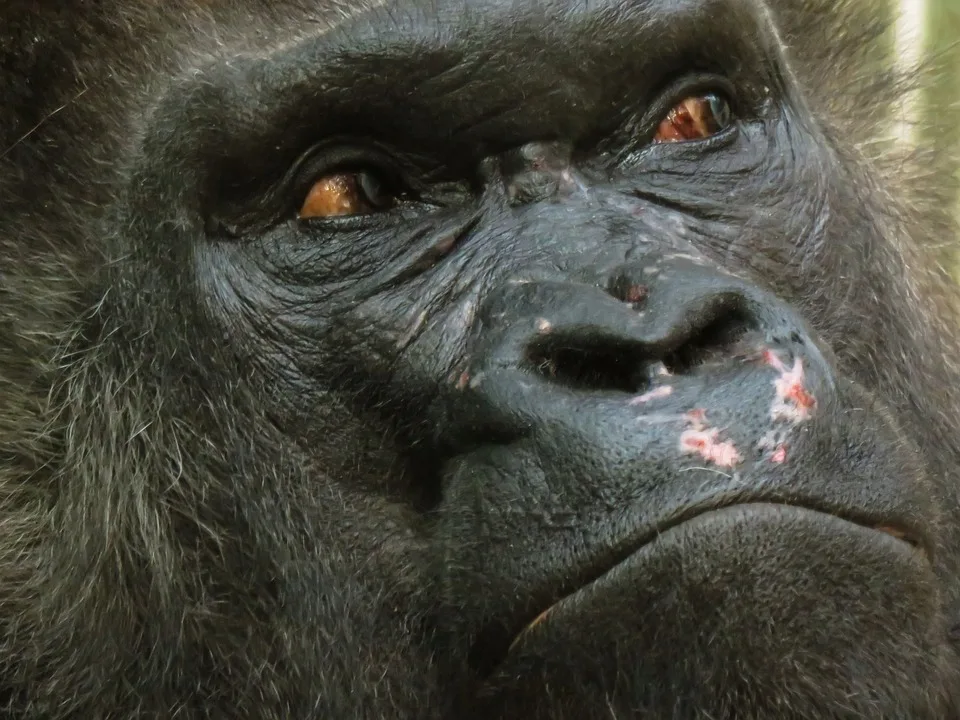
493 647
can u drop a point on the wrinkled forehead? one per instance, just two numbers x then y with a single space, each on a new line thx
496 26
488 55
514 23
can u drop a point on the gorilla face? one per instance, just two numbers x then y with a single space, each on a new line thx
492 360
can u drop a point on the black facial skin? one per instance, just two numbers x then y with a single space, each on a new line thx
582 426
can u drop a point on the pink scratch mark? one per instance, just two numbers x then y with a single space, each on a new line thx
705 444
771 441
792 401
703 441
660 392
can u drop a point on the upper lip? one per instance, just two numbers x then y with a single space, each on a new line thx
494 644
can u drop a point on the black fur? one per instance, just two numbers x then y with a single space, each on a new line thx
238 476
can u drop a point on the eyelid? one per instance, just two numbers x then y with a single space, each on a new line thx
332 158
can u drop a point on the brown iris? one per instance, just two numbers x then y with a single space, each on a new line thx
345 193
694 118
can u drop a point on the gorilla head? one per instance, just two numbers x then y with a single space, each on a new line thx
469 360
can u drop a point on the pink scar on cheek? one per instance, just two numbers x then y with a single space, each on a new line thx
792 401
702 441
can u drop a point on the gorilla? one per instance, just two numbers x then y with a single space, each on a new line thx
472 359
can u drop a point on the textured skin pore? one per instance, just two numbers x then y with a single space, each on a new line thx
257 467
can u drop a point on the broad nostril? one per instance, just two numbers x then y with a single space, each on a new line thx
592 359
716 338
584 363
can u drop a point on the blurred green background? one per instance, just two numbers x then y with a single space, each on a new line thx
923 34
938 25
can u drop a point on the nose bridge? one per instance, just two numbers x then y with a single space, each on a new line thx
576 224
538 171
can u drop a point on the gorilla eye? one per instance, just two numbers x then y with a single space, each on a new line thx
346 193
695 118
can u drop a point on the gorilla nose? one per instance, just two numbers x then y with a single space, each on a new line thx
588 341
597 345
548 349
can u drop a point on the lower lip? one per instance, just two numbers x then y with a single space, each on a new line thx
902 540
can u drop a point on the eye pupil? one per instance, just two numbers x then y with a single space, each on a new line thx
373 190
720 109
695 118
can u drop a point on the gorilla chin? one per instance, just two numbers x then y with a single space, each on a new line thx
769 599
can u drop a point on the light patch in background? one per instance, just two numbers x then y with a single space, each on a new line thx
910 43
